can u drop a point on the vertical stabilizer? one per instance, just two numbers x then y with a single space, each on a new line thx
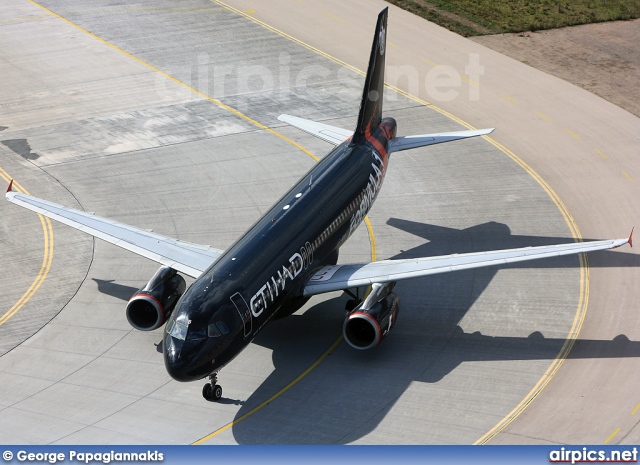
371 105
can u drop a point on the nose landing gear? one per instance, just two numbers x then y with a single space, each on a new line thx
212 391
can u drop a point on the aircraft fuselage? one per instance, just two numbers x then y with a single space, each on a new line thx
262 274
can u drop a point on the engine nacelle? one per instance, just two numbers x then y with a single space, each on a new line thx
150 306
371 322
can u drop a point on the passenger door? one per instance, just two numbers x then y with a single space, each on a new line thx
244 311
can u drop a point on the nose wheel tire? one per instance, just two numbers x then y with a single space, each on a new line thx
212 391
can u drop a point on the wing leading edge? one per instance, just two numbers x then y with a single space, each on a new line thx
341 277
190 259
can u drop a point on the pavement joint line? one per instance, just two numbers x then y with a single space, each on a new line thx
177 81
47 258
570 221
616 431
113 10
25 18
124 10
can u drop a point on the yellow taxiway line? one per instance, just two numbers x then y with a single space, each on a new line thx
47 259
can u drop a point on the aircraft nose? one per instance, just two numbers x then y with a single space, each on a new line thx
175 363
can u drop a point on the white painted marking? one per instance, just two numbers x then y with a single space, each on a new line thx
325 273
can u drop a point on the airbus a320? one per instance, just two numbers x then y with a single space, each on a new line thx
291 253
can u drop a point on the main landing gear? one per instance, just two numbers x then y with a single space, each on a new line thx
212 391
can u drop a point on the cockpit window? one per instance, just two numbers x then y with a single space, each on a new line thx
178 330
217 329
222 327
213 330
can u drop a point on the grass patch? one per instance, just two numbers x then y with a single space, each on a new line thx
479 17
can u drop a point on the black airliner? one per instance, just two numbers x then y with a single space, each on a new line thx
291 253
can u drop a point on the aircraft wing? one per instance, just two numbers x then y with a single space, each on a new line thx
190 259
412 142
341 277
331 134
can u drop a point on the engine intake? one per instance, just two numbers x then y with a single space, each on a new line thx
150 306
367 325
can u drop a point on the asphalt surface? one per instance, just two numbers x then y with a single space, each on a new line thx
102 113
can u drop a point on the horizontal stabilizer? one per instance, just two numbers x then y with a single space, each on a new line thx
412 142
331 134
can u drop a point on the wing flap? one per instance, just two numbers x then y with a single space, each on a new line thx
340 277
190 259
412 142
331 134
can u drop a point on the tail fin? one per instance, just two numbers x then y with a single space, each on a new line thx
371 105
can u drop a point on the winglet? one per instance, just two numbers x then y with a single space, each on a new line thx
10 186
631 236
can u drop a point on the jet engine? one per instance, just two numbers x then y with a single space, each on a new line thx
369 323
150 306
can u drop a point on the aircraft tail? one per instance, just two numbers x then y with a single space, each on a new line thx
370 117
371 104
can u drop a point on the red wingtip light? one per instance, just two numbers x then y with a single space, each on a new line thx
631 236
10 186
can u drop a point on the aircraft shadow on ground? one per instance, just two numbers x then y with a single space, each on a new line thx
113 289
496 236
426 345
353 391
